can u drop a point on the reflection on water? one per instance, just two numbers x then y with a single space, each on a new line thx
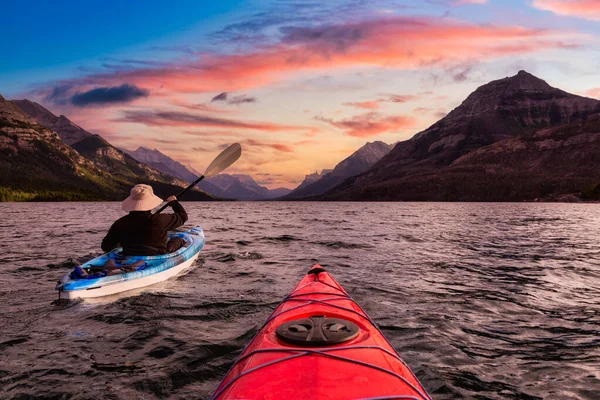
488 301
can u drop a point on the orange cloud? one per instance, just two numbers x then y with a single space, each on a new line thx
369 105
276 146
371 124
422 110
588 9
398 98
182 119
375 104
595 93
399 42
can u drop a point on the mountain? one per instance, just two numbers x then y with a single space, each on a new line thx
68 131
167 165
512 107
309 180
238 187
358 162
244 187
163 163
105 156
37 165
552 164
278 192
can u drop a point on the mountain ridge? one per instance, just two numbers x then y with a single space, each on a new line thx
68 131
39 165
502 109
358 162
222 185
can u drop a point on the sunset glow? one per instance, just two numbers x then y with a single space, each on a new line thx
298 84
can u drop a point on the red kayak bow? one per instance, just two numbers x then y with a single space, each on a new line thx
319 344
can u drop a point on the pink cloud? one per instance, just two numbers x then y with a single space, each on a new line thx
276 146
182 119
588 9
371 124
399 42
420 110
397 98
463 2
376 104
199 107
595 93
369 105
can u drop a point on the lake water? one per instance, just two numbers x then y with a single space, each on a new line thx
486 301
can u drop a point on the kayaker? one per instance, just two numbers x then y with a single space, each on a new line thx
142 233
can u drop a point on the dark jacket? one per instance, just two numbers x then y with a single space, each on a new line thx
141 233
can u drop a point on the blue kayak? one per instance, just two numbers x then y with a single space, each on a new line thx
144 270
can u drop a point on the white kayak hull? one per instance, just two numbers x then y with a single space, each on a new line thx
160 268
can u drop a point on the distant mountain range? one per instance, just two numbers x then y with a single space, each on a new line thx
238 187
358 162
44 157
515 138
244 187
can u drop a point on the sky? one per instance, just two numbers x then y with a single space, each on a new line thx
300 85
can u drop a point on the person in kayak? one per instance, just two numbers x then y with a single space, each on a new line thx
142 233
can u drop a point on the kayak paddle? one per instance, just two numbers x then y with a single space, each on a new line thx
223 160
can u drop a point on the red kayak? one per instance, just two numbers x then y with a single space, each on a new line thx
319 344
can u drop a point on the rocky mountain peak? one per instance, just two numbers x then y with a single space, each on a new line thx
522 84
247 179
1 98
69 132
374 147
35 110
147 150
523 101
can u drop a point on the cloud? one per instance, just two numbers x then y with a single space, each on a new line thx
182 119
199 107
460 73
400 98
369 105
456 3
463 2
263 178
224 96
59 94
588 9
276 146
421 110
371 124
376 104
258 27
219 97
242 99
390 42
595 93
107 95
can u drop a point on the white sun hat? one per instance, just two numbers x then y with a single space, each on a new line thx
142 198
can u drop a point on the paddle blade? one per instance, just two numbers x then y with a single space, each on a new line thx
224 160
